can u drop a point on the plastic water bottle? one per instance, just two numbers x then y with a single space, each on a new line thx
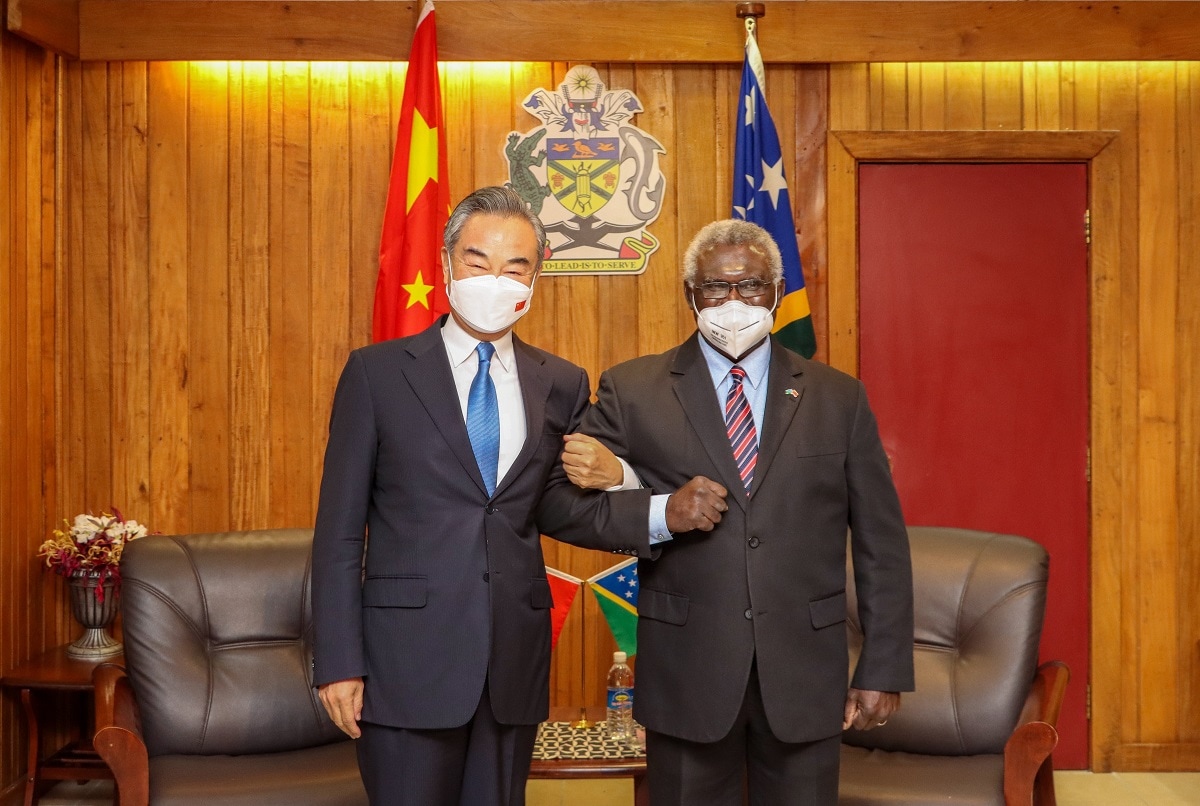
620 700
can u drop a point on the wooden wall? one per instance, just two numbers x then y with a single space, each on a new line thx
33 614
220 223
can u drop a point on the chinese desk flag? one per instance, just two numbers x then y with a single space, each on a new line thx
563 588
760 195
616 591
409 293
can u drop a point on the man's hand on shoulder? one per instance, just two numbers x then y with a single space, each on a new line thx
343 701
590 464
696 505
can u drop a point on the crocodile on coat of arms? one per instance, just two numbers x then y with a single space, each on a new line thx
520 162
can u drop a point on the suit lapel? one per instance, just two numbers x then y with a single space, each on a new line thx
785 390
429 375
535 391
694 390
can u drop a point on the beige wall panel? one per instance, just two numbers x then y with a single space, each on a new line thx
130 290
208 217
931 92
1158 421
167 196
249 289
34 616
90 380
1118 111
965 95
1004 103
806 185
331 233
1188 325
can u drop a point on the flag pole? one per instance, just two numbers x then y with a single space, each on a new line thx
583 723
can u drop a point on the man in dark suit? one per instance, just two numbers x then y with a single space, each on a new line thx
742 663
430 600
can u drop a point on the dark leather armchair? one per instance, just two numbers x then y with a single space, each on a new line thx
217 706
979 729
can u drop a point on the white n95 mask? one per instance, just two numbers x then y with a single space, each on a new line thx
733 327
489 303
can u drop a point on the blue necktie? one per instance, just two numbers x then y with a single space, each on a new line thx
483 418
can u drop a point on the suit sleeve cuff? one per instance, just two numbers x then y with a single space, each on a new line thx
659 533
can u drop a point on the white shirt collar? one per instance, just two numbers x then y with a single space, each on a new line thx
756 362
460 345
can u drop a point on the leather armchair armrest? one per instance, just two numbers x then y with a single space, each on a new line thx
118 737
1028 767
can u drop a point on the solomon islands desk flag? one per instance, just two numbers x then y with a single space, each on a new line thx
616 591
563 588
760 195
409 292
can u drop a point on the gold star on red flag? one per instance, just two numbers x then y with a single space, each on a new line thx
418 291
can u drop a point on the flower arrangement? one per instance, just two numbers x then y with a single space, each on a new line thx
91 545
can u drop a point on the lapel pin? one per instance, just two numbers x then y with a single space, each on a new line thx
791 393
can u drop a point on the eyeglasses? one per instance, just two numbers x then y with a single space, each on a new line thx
719 289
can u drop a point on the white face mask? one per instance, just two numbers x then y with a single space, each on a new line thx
489 303
733 327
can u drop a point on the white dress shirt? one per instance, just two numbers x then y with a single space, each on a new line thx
464 363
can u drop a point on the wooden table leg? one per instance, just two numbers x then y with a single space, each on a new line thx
31 764
641 790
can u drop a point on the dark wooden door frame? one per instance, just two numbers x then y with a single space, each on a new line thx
846 150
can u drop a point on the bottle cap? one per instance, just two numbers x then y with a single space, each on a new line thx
619 657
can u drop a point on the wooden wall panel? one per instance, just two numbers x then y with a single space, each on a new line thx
231 212
34 616
1145 671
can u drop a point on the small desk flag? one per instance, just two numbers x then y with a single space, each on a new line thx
409 292
616 591
760 195
563 588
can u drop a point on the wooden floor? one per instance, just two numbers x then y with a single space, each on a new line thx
1073 788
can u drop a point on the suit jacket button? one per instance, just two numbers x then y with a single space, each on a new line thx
754 542
490 509
486 576
749 613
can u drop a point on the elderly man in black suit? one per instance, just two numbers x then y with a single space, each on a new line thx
742 664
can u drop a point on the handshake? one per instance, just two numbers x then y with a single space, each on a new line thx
589 464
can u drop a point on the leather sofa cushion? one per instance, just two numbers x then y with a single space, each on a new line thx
218 642
881 778
318 776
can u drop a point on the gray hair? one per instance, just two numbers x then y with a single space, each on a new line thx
500 201
732 232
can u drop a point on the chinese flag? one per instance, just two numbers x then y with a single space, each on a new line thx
409 293
563 588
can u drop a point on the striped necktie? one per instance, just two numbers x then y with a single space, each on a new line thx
483 418
739 422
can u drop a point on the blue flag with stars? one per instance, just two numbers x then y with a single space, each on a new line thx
616 591
760 195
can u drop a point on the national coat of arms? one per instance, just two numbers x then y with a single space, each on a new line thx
590 175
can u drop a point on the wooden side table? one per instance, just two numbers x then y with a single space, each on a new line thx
629 767
36 679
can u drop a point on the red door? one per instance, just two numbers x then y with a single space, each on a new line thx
974 351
